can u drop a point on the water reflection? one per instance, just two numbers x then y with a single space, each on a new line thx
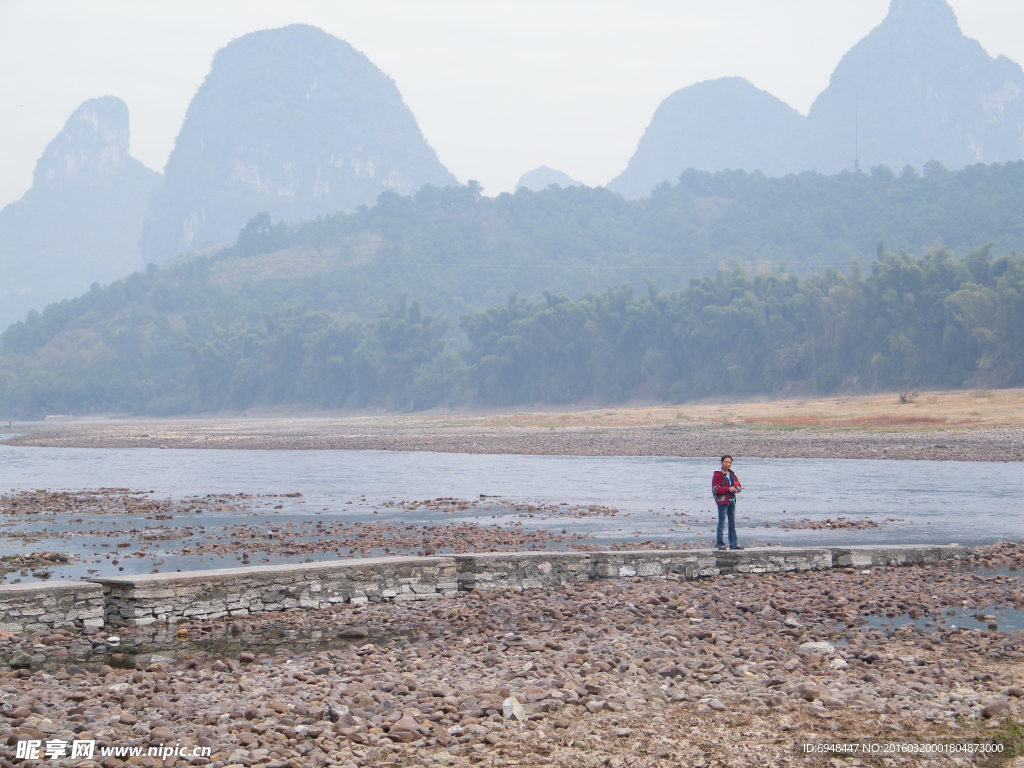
1003 618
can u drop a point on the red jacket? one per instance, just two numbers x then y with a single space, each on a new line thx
720 486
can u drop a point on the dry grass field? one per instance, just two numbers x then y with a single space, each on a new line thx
890 412
980 425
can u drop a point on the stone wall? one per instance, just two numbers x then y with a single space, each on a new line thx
42 605
202 595
774 560
697 564
521 570
894 554
176 597
655 564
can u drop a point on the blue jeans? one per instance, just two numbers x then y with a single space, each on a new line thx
723 510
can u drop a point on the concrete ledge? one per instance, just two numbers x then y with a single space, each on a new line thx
211 594
43 605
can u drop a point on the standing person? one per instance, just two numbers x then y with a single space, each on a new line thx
725 485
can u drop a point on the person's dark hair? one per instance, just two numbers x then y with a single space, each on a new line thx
727 456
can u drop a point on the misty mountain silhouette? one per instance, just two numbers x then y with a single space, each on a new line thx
714 126
291 121
914 90
80 221
299 124
543 177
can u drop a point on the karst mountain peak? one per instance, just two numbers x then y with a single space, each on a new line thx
291 121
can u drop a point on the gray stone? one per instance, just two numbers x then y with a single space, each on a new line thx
816 647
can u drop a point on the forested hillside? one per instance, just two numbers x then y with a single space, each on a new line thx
723 283
579 239
933 321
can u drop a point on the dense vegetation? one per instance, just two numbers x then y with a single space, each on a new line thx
727 283
913 322
806 221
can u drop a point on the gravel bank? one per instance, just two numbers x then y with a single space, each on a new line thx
412 434
737 671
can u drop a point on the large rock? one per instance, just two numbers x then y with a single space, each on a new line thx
290 121
80 222
816 647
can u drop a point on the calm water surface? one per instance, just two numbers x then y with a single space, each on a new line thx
659 498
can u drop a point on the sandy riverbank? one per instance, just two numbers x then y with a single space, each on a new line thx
981 425
573 436
663 673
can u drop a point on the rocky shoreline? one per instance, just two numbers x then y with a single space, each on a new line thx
731 671
1005 443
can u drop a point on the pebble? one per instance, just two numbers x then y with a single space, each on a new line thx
619 664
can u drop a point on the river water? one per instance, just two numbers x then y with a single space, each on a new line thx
658 498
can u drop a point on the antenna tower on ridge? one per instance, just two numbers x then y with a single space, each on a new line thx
856 136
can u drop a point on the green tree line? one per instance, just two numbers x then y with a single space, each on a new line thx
933 321
455 252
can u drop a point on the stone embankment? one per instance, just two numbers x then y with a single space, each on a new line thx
40 605
746 670
169 598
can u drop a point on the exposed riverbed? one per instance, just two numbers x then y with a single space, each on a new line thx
476 435
734 671
137 510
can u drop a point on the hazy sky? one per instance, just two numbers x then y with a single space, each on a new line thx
498 87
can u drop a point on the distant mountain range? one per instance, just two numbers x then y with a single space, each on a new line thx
290 121
915 90
298 124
